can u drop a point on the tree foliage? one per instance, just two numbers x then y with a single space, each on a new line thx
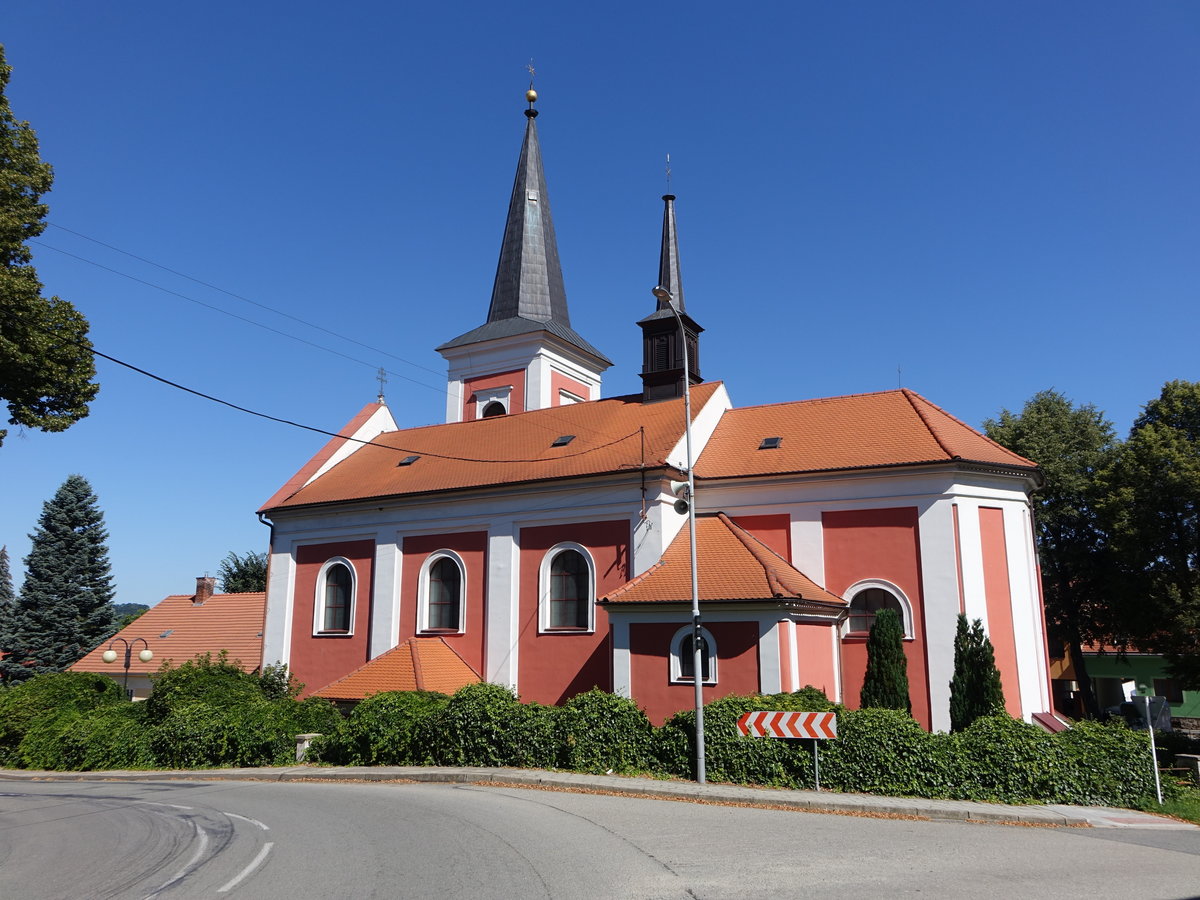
885 685
46 365
1153 506
975 689
1071 444
243 573
8 596
65 607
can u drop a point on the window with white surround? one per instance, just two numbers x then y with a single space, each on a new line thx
491 402
567 590
333 611
442 589
867 598
683 659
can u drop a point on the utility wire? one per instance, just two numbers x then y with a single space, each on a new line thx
407 450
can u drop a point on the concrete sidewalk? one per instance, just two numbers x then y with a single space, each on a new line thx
822 801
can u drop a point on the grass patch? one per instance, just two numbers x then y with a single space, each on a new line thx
1186 807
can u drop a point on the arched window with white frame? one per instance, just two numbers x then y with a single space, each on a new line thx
869 597
442 592
567 589
335 595
683 656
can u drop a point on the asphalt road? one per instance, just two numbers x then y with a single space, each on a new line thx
268 840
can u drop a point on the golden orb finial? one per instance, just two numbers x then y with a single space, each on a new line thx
531 95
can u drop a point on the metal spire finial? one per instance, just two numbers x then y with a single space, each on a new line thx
668 173
531 94
381 377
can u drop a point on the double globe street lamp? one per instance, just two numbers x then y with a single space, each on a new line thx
110 655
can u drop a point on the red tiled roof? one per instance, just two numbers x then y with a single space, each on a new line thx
178 630
419 664
731 563
609 437
889 428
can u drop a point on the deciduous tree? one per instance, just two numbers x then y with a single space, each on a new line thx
885 685
1071 444
244 573
46 365
1153 505
975 689
65 606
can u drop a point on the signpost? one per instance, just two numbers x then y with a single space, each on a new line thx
815 726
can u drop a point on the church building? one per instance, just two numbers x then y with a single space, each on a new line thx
538 538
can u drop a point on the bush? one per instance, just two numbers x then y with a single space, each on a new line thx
600 732
196 735
107 737
1107 764
885 751
1001 759
383 730
732 757
216 682
487 725
48 695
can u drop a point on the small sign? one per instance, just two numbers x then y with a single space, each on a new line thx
811 725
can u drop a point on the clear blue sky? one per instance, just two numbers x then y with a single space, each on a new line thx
996 198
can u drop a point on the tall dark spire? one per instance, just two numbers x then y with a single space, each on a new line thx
528 294
668 256
662 347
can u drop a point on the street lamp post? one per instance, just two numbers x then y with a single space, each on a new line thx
697 640
110 655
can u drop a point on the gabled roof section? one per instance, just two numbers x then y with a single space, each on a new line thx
890 428
418 664
612 435
528 294
732 565
374 419
177 630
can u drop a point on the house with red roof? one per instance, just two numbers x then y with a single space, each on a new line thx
537 538
180 628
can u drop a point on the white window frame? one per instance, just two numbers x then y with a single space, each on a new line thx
906 610
676 664
566 398
319 598
423 593
484 396
544 590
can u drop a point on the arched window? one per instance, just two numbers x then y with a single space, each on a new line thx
568 590
442 593
869 597
335 598
495 408
683 658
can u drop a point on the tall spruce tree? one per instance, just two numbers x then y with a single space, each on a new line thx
885 685
65 606
46 365
8 597
975 689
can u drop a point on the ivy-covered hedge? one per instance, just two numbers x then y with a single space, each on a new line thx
210 713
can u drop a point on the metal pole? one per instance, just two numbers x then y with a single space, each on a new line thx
816 764
697 656
1153 752
128 660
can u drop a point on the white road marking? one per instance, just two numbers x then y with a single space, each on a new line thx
246 819
191 864
254 864
152 803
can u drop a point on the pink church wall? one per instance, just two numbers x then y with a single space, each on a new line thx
472 547
999 605
884 544
555 667
516 400
774 530
650 673
560 382
816 652
319 660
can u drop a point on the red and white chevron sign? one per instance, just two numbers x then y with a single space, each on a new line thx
812 725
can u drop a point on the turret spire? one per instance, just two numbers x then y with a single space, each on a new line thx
668 255
663 335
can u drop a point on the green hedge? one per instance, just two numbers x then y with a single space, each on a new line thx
211 713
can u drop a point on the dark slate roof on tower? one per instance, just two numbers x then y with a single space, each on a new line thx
669 276
528 294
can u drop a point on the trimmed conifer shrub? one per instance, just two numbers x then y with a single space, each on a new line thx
885 685
975 689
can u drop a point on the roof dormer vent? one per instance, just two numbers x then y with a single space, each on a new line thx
407 461
770 443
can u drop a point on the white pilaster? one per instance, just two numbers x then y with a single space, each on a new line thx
503 607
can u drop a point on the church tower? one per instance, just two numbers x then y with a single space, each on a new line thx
526 356
662 352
